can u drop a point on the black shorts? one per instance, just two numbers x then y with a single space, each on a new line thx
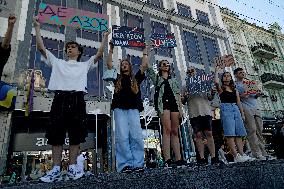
201 123
170 105
68 114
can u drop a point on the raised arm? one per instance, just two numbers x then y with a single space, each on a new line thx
39 42
145 60
109 58
100 52
216 79
8 36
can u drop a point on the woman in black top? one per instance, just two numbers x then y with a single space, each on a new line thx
232 115
126 106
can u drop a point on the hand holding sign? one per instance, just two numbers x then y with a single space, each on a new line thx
12 20
224 61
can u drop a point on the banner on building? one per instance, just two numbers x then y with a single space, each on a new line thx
128 37
57 15
8 95
200 83
163 40
224 61
250 87
7 7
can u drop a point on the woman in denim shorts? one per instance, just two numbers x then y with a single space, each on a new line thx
232 115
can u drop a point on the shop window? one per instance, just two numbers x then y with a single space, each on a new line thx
192 46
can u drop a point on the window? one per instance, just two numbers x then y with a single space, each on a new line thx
51 27
202 17
133 20
156 3
94 83
193 50
145 85
158 27
55 47
211 49
92 7
183 10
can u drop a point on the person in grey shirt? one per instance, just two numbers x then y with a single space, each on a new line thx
200 115
253 119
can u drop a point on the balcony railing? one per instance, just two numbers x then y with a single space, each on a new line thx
264 51
272 80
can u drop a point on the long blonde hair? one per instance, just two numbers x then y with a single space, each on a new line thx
134 84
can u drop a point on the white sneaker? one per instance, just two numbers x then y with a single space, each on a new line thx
248 158
51 176
74 174
261 158
239 158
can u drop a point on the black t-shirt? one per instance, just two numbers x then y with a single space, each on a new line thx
125 98
228 97
4 56
168 93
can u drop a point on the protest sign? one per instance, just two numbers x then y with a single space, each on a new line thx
128 37
201 82
8 95
163 40
7 7
250 87
224 61
52 14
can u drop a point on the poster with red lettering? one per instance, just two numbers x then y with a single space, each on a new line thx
250 87
57 15
128 37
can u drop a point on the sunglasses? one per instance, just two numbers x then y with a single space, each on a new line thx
165 64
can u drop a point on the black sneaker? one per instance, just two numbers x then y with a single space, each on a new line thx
215 161
126 169
180 163
138 169
169 164
202 162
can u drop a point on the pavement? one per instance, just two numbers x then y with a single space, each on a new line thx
247 175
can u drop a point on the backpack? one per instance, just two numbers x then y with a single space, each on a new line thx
156 95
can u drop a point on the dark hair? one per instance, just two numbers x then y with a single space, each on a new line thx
80 48
237 70
231 84
160 71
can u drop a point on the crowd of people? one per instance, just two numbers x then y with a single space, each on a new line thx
240 113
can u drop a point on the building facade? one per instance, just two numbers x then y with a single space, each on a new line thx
260 52
196 24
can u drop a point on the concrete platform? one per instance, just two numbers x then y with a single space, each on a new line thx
249 175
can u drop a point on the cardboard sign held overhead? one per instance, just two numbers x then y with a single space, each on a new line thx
224 61
7 7
200 83
128 37
250 87
163 40
52 14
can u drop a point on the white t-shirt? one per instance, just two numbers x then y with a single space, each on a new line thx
68 75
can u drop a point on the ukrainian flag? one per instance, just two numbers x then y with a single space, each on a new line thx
8 95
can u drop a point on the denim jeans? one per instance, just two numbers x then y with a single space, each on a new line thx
232 121
128 139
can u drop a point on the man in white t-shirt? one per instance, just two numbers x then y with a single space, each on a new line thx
68 81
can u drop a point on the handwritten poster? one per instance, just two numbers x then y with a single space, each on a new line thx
224 61
52 14
128 37
7 7
200 83
163 40
250 87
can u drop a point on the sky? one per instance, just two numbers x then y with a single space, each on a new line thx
266 11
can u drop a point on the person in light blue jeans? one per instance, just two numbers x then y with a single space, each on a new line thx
126 105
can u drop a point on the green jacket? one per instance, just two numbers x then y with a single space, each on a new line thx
174 86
